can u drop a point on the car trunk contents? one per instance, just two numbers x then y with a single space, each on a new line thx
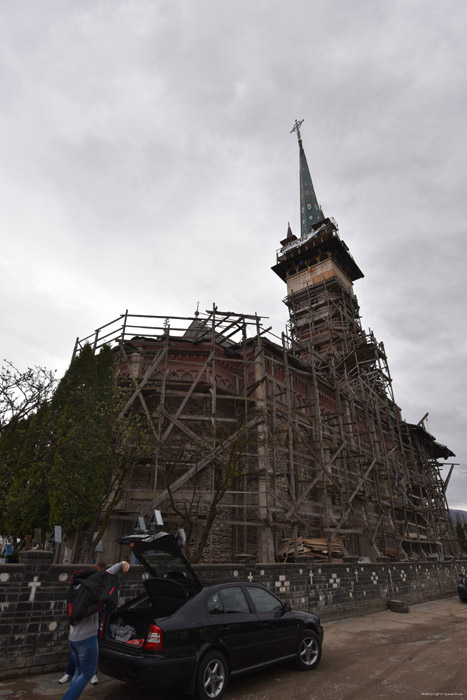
125 626
120 632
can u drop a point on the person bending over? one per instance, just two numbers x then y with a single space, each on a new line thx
84 646
70 669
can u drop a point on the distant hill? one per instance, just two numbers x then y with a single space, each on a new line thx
455 514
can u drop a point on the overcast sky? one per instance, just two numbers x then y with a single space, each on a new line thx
146 164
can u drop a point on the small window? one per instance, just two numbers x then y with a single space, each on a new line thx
233 600
264 601
215 606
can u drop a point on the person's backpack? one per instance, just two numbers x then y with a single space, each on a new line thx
89 591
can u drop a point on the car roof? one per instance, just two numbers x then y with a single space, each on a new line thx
213 587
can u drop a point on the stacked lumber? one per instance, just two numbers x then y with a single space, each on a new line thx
391 553
317 547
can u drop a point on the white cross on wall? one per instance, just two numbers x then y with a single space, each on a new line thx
250 576
33 585
311 578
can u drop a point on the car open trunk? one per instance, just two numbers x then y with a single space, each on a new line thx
172 583
162 558
131 622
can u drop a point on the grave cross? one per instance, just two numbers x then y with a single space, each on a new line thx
35 583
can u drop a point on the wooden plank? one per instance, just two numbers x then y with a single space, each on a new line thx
200 373
324 468
160 356
203 463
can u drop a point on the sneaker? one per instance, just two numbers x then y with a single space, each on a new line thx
94 679
65 678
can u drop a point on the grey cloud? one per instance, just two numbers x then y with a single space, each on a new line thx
146 163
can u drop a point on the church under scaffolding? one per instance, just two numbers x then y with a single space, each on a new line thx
280 447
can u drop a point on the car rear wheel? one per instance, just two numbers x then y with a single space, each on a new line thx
309 651
212 677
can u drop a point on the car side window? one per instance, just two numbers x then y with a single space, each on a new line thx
233 600
215 606
264 601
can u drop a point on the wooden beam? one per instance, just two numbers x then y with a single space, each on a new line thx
324 467
141 398
146 377
349 502
201 370
183 428
203 463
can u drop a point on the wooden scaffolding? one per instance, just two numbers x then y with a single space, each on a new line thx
324 465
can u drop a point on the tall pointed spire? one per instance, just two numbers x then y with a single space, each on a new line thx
310 210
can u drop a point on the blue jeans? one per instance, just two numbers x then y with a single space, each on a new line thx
85 654
70 669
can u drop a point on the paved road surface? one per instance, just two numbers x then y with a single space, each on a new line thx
386 655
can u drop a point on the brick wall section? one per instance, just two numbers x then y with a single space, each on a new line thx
34 629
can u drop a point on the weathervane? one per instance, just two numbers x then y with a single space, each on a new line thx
296 127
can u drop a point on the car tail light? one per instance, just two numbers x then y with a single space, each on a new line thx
135 642
101 626
154 638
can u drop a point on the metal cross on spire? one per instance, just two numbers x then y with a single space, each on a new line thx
296 127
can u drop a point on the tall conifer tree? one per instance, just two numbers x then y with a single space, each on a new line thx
26 504
69 463
82 440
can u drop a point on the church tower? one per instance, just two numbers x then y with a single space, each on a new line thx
381 484
319 272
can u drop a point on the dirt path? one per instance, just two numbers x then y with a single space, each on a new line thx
386 655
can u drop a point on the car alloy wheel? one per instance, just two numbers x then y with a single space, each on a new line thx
309 651
212 677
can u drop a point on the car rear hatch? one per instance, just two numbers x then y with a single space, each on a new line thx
172 582
161 556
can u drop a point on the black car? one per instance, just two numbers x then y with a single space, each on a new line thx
179 634
462 588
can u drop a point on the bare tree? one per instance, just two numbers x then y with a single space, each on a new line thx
21 393
226 454
130 442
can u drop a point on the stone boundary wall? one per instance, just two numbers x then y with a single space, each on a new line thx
34 629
